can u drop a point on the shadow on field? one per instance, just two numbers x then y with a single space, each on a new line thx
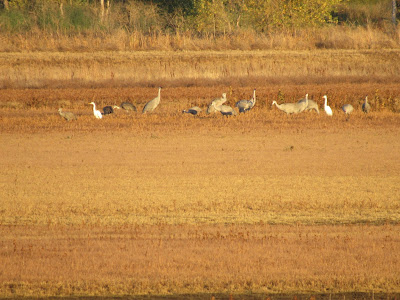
291 296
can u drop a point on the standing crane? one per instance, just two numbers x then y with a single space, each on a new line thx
152 104
366 107
246 105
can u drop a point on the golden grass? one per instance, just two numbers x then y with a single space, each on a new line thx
168 204
211 176
198 259
205 209
330 37
197 68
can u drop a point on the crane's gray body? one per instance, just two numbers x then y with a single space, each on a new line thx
215 103
292 108
312 105
347 108
128 106
246 105
288 108
152 104
366 107
69 116
195 110
225 110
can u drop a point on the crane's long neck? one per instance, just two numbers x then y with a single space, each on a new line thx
366 100
254 96
159 93
326 101
94 107
277 105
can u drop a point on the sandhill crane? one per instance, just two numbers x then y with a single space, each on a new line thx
69 116
210 109
288 108
216 102
246 105
366 107
128 106
292 108
96 112
195 110
327 109
348 109
224 109
312 105
107 110
152 104
302 105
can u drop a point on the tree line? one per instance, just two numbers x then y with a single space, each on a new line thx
214 17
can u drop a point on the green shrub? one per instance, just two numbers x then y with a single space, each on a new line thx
14 21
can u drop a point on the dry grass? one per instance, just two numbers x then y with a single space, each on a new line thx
172 260
141 209
197 68
330 37
223 171
170 204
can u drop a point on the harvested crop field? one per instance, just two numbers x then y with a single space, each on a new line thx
176 205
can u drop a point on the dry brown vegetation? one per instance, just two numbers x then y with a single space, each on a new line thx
199 68
168 204
337 37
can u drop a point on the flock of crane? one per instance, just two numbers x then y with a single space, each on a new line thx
217 105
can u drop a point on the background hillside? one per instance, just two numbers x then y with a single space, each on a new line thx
88 25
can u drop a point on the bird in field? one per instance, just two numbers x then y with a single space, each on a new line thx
246 105
107 110
366 107
312 105
69 116
152 104
292 108
128 106
288 108
96 112
224 110
327 109
302 105
195 110
215 103
347 109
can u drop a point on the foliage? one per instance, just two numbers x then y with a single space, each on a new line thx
207 17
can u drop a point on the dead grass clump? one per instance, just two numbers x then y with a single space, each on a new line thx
12 105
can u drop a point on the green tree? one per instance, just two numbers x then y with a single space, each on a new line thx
210 16
272 14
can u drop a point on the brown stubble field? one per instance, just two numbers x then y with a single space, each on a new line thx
171 204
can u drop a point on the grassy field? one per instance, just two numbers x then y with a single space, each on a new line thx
170 204
197 68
